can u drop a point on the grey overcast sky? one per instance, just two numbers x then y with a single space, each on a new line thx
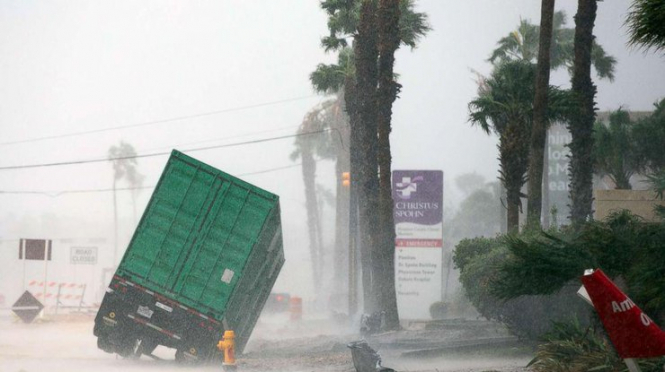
80 66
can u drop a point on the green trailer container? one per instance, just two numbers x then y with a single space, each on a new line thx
202 260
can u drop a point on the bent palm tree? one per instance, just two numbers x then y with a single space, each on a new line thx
504 106
615 151
522 44
308 148
123 159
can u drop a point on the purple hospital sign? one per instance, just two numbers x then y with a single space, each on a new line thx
418 198
418 212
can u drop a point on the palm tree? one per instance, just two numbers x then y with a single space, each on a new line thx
649 133
338 79
123 159
366 56
377 39
645 24
505 106
540 124
523 43
308 149
353 28
615 151
581 123
388 33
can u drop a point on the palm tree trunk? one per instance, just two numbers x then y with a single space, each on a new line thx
581 123
546 184
387 93
342 200
309 173
366 74
539 129
355 156
503 209
513 201
513 159
622 181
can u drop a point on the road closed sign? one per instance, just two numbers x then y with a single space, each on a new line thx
83 255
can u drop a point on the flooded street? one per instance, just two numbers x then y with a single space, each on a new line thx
276 345
66 346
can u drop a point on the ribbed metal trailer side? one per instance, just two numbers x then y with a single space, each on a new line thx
207 242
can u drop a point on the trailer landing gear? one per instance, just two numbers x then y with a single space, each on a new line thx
127 348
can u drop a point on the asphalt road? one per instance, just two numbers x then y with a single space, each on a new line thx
276 345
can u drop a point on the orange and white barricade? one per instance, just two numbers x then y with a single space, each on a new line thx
58 295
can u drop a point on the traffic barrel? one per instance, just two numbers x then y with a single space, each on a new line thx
295 308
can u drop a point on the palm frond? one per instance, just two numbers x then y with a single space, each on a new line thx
412 25
645 24
602 62
522 44
327 78
540 265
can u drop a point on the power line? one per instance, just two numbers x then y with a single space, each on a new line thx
77 162
223 138
160 121
54 194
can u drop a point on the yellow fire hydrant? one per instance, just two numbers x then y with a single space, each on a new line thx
228 346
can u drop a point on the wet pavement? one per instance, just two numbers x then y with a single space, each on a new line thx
277 344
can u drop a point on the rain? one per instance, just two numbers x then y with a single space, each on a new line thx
96 96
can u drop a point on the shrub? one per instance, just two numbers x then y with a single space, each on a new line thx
571 347
529 279
527 317
623 246
467 249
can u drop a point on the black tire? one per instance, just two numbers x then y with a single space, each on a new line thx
125 350
180 356
104 344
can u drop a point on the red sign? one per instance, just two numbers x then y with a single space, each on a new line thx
420 243
632 332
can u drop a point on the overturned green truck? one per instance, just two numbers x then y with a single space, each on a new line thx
203 259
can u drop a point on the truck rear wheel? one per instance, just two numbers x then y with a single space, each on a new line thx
126 350
104 344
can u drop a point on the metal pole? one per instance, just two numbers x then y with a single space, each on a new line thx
22 255
353 256
57 298
632 365
82 295
45 271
